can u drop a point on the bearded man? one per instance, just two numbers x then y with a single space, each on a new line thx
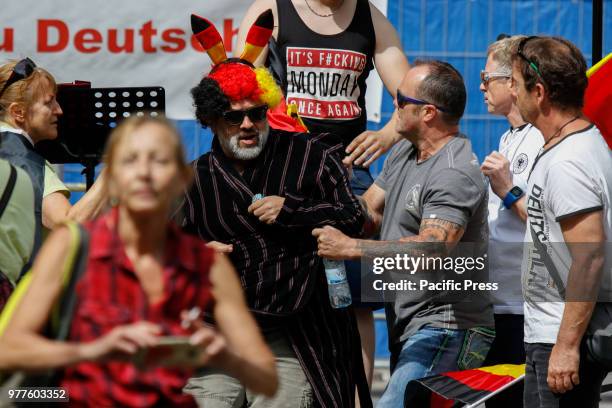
257 195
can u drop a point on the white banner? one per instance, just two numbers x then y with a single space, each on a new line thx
120 43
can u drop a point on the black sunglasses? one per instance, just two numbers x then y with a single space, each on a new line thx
21 70
256 114
403 100
529 62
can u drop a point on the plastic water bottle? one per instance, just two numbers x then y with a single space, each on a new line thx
337 285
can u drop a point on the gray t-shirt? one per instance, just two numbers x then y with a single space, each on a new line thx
449 186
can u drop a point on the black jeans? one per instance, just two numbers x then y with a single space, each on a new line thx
537 393
507 348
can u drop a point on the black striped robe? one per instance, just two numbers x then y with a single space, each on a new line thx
277 264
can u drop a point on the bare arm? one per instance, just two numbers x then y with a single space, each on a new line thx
249 359
519 208
585 238
392 65
497 168
373 204
258 7
23 347
436 238
56 208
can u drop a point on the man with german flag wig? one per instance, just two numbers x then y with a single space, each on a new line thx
233 79
257 196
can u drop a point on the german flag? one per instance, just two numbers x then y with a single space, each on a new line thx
456 388
258 36
286 117
207 35
598 97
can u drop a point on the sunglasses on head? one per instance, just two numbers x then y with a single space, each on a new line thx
21 70
485 76
256 114
529 62
403 100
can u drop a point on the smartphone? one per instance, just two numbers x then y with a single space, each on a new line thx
170 351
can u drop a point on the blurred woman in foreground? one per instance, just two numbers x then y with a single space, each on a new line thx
142 275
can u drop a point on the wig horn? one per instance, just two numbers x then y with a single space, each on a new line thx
258 36
208 36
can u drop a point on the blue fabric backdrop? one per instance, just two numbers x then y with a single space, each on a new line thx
457 31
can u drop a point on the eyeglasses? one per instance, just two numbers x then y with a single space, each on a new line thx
256 114
529 62
21 70
403 100
485 76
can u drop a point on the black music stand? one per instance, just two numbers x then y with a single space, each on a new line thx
89 116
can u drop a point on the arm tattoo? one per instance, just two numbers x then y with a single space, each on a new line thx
437 230
391 248
432 241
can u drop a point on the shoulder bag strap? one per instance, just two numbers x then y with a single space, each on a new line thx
8 190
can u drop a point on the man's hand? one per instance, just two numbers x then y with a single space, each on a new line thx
267 208
367 147
563 368
333 244
220 247
497 168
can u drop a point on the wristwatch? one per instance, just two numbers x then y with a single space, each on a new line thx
512 197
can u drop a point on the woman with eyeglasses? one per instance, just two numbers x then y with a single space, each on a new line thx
144 281
29 113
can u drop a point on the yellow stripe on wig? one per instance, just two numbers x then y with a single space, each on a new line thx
271 93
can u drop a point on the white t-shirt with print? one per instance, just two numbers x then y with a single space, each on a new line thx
571 178
520 146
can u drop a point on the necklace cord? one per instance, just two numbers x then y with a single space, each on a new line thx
558 132
324 15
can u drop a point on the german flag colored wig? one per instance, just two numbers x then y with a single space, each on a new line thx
236 78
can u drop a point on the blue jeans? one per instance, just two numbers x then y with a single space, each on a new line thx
430 351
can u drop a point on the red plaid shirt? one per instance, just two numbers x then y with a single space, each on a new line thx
109 294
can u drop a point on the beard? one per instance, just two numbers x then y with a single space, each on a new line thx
231 144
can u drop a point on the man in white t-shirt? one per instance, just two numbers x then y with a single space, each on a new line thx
507 171
569 225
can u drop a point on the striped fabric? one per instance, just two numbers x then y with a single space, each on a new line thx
474 386
277 264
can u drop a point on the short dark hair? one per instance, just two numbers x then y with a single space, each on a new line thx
443 86
561 66
209 101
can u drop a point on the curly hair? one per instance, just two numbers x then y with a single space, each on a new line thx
231 82
209 101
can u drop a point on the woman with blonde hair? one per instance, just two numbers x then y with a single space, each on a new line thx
141 276
29 113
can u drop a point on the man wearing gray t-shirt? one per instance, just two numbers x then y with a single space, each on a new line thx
430 200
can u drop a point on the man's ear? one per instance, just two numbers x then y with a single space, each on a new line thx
429 113
540 92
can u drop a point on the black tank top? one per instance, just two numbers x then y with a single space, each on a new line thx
325 75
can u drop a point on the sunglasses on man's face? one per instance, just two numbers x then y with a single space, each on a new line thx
256 114
485 76
403 100
21 70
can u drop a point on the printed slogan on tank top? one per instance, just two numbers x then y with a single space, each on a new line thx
323 82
